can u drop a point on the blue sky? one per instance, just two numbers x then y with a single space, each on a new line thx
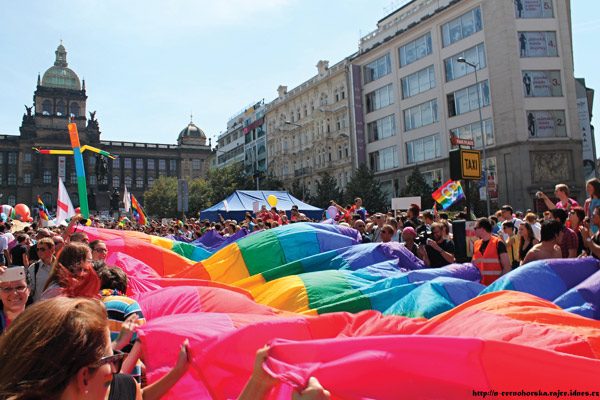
148 64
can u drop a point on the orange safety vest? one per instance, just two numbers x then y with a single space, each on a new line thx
488 263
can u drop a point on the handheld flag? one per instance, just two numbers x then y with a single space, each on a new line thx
138 212
448 194
126 200
64 207
44 214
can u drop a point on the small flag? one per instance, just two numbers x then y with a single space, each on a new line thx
126 200
64 207
448 194
44 214
138 212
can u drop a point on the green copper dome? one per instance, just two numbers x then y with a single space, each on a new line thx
59 75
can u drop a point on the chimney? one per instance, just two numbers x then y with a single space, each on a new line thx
282 91
322 67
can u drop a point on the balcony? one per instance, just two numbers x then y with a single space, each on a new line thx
302 171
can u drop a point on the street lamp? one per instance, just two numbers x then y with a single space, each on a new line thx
487 193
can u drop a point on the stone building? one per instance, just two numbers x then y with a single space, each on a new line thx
411 91
309 130
59 93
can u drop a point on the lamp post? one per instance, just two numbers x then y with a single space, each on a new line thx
487 193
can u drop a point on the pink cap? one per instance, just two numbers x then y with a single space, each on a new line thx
411 230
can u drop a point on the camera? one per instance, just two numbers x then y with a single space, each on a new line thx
422 237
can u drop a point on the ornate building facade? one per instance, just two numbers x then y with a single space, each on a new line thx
59 94
309 130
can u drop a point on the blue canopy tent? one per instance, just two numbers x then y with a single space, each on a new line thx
239 202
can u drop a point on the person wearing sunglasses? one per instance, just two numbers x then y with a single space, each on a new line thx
13 298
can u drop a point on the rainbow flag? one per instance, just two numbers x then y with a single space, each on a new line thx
44 214
448 194
138 211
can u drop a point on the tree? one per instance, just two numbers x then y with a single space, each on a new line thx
363 184
269 182
327 190
161 199
224 181
200 195
296 190
417 186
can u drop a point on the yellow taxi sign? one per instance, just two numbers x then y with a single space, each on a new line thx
470 164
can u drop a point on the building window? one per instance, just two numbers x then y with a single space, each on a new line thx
534 9
196 164
128 180
421 115
116 181
27 157
173 165
415 50
92 180
423 149
127 163
150 181
12 178
162 165
473 132
60 108
433 178
467 99
139 182
116 163
418 82
546 124
542 84
380 98
455 69
73 178
384 159
74 109
92 160
139 163
376 69
47 198
12 200
47 177
151 166
382 128
46 107
12 158
538 44
462 27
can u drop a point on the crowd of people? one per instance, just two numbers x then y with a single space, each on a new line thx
67 287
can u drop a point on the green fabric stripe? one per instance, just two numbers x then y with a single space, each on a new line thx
322 286
353 305
261 252
293 268
184 249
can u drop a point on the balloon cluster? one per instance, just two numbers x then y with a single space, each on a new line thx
22 213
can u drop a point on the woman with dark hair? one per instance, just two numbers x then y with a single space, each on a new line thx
72 274
526 239
69 358
576 217
593 189
99 250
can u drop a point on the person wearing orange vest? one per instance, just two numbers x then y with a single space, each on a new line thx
489 253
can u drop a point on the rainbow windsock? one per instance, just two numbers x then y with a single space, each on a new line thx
44 214
138 211
448 194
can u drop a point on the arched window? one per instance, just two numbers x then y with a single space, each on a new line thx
12 200
150 181
74 109
47 177
60 108
12 178
139 182
46 107
116 181
73 178
128 181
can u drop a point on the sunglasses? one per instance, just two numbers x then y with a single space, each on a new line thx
115 360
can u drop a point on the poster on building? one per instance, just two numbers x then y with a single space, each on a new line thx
542 84
62 168
537 44
589 167
544 124
534 9
491 181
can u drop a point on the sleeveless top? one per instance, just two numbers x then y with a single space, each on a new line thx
122 387
523 252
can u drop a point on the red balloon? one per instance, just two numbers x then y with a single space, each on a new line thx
22 212
78 210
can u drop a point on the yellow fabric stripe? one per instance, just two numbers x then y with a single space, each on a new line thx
251 283
287 293
162 242
227 265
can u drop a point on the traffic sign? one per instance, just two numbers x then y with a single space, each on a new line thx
465 164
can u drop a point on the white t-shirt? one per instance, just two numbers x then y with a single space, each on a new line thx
3 242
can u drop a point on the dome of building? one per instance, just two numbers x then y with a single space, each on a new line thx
59 75
192 131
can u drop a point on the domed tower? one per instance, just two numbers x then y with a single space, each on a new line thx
59 95
191 135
